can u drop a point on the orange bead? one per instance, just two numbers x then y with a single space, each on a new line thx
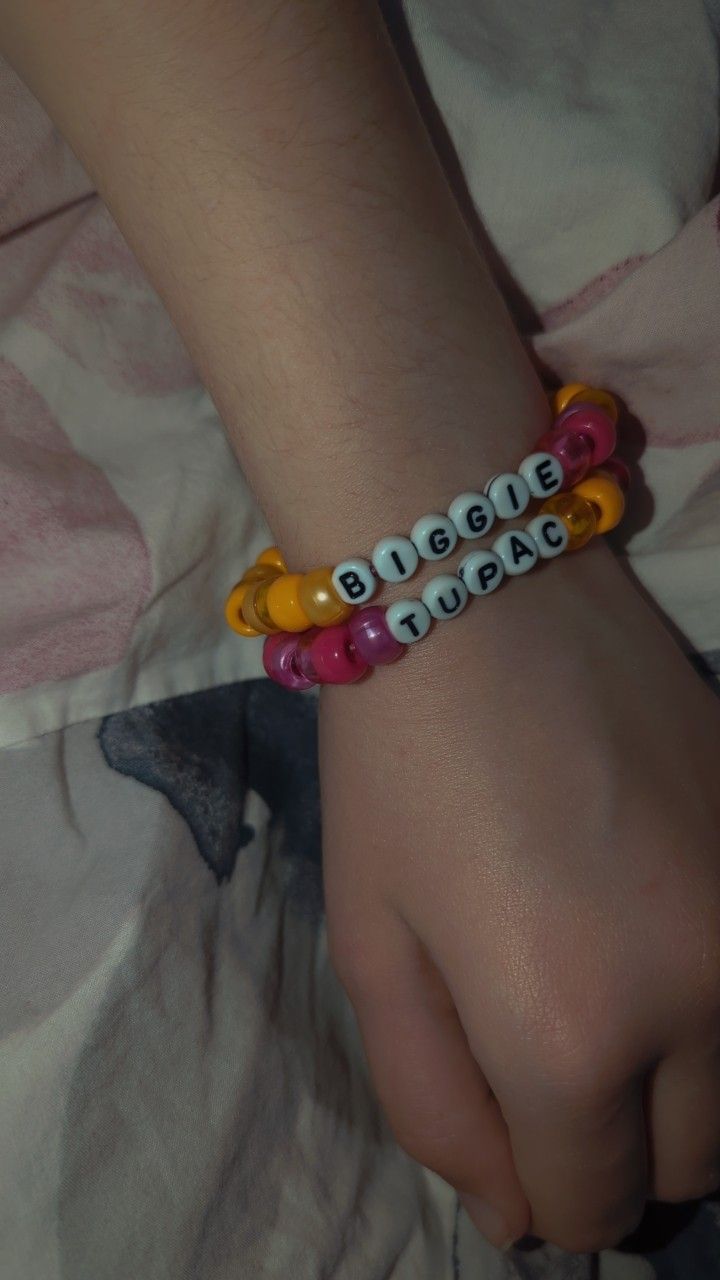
283 603
233 611
562 397
319 599
605 494
273 557
576 392
254 609
576 513
260 573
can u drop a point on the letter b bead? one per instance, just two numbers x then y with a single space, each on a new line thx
354 581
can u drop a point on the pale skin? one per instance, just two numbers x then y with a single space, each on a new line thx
521 818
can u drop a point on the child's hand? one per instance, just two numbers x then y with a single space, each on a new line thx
522 840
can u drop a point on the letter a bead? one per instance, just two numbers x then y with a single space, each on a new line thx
517 550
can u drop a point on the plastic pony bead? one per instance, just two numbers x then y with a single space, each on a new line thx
577 514
606 496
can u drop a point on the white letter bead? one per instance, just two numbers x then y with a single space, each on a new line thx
517 550
395 559
434 536
354 581
408 620
543 474
509 495
482 572
472 514
445 596
550 535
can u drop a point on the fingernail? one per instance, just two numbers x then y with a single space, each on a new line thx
489 1221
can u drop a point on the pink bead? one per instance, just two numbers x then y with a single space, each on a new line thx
619 470
572 451
280 660
331 657
374 642
593 424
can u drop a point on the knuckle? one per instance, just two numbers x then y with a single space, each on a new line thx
573 1065
603 1234
693 1186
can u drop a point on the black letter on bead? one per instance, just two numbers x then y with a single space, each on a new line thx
395 557
520 549
510 490
409 622
352 584
487 574
476 519
454 606
547 481
439 542
548 525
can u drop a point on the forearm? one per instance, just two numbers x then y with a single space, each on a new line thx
269 168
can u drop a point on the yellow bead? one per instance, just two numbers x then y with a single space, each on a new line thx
576 392
320 600
273 556
254 609
233 611
260 573
577 515
606 496
562 397
283 603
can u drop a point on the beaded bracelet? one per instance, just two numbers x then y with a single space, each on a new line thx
373 636
268 599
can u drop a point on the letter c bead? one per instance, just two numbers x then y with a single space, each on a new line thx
408 620
445 596
550 535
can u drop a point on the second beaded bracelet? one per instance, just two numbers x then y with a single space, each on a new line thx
268 599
